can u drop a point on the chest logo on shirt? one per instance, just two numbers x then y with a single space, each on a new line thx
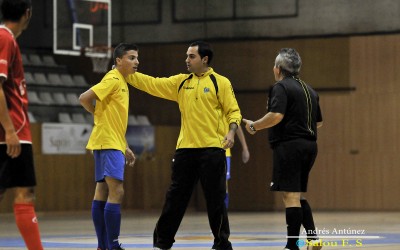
206 90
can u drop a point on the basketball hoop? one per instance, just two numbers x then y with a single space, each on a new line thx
100 57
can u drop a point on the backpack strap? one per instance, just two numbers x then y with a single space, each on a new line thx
183 82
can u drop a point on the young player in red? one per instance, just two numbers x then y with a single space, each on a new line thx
16 157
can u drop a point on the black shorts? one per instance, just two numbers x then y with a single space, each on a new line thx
292 162
17 172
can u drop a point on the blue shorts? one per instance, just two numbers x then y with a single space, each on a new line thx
109 162
228 168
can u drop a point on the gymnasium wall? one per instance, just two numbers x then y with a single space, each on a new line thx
357 165
171 21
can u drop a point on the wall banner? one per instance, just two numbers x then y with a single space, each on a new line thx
141 139
63 138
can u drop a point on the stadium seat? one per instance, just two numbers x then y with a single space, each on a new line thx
46 98
25 60
29 78
89 118
80 81
73 99
143 120
78 118
54 79
64 117
35 59
40 78
132 120
67 80
59 98
48 60
31 117
33 97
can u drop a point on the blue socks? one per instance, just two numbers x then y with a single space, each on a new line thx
112 218
226 200
99 224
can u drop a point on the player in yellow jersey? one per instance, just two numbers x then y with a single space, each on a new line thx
110 149
204 98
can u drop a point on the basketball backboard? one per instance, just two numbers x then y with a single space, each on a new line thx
79 24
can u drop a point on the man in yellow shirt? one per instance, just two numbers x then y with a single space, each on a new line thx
110 150
204 98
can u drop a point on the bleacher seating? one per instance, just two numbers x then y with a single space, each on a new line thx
54 79
48 60
80 81
29 78
31 117
59 98
64 117
72 99
52 89
143 120
78 118
35 60
132 120
33 97
46 98
40 78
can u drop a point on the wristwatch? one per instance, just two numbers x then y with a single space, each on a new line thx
252 127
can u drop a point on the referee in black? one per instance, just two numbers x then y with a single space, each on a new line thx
293 116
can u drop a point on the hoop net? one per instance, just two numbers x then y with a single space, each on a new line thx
100 57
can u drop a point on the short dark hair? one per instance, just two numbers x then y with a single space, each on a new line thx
121 50
13 10
204 50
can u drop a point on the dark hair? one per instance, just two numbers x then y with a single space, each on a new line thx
121 50
13 10
204 50
289 61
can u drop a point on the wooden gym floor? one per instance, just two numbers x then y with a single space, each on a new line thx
249 230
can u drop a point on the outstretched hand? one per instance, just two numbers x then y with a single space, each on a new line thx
247 123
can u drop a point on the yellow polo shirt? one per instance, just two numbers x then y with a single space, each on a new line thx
202 113
111 113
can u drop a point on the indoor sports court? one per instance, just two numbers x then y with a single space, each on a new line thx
250 231
350 54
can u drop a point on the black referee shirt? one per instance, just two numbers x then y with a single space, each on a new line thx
299 104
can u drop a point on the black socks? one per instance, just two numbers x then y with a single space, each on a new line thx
294 218
308 220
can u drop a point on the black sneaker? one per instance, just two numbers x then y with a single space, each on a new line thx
119 248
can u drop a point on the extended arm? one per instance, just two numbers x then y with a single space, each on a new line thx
163 87
11 137
267 121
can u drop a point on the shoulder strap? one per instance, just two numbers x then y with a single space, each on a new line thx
183 82
214 80
212 77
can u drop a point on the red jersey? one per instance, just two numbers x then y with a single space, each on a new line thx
15 86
